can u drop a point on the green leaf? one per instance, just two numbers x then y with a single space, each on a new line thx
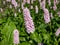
8 33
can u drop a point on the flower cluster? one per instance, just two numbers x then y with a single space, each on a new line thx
16 36
28 21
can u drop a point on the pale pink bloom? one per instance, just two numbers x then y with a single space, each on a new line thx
55 2
22 5
36 9
54 7
19 10
46 16
16 36
14 3
51 15
49 2
40 43
43 4
28 1
1 9
29 24
58 13
57 32
8 0
31 7
24 1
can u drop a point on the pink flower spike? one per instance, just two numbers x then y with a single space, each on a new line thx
55 2
28 21
14 3
31 7
36 8
8 0
43 4
54 7
46 16
24 1
58 13
16 36
22 5
28 1
49 2
51 15
57 32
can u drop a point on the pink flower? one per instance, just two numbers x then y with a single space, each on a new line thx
28 21
58 13
43 4
55 2
8 0
46 16
24 1
14 3
57 32
28 1
54 7
16 36
49 2
36 8
22 5
31 7
51 15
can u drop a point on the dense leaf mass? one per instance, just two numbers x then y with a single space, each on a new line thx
12 18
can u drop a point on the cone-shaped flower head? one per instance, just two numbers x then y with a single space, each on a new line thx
16 36
46 16
28 21
14 3
36 8
57 32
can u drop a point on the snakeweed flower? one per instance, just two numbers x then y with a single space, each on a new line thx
46 16
43 4
28 21
16 37
24 1
57 32
31 7
36 9
28 1
14 3
49 2
55 7
8 0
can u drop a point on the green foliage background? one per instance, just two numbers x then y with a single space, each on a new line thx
44 33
